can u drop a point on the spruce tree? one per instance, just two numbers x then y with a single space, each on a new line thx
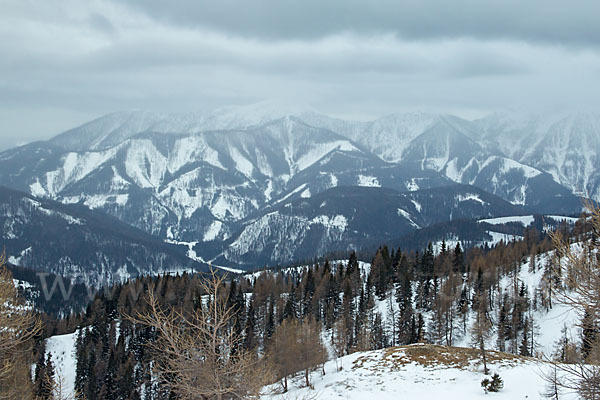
250 328
524 347
405 314
458 260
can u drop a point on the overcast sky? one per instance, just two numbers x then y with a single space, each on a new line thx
65 62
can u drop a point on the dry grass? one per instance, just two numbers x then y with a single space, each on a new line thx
431 356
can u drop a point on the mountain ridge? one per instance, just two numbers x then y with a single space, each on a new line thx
200 177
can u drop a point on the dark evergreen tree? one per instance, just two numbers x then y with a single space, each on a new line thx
270 324
524 347
250 328
309 291
458 260
291 307
405 311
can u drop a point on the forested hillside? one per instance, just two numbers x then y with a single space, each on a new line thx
501 296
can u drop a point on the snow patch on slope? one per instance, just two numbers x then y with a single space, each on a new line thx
406 215
524 220
62 348
213 231
368 181
469 197
338 222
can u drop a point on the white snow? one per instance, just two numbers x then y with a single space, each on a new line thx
498 237
37 189
268 190
379 375
470 197
527 220
100 200
509 165
560 218
334 180
191 253
368 181
338 222
191 148
145 164
287 196
225 205
17 260
452 170
318 151
305 194
524 220
412 185
406 215
213 231
417 205
62 348
242 164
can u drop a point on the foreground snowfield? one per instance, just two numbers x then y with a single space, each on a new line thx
421 372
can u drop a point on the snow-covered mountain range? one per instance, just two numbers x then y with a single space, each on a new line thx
214 177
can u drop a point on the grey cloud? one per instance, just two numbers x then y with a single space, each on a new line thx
554 21
70 59
100 22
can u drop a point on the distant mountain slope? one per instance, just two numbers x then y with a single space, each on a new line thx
200 186
566 146
73 241
345 218
447 147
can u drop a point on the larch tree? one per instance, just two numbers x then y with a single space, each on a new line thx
480 331
18 328
199 355
579 263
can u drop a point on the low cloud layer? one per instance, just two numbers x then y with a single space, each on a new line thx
69 61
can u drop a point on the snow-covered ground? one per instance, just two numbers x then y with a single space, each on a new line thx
62 348
420 372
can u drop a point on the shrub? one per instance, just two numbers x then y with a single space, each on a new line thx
494 385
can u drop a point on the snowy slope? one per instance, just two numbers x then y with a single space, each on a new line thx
441 373
62 348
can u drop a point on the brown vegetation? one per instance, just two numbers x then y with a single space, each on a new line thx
18 328
580 265
433 356
198 355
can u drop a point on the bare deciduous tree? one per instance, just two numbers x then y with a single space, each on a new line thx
581 291
480 331
198 355
285 350
18 327
297 347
